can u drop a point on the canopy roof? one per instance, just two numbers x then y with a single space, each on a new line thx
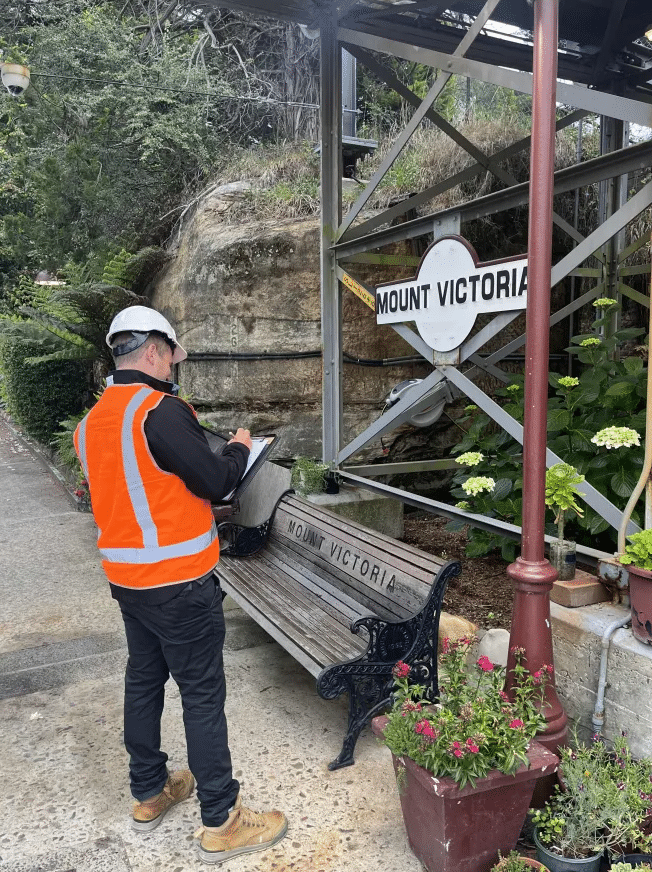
602 42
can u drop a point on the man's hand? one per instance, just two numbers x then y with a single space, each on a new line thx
243 436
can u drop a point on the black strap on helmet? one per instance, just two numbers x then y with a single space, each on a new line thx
132 344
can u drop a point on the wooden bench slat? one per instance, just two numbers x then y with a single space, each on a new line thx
388 588
342 605
297 616
373 600
393 547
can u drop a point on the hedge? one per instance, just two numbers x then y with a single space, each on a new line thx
39 396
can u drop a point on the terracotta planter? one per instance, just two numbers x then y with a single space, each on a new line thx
640 595
462 830
527 861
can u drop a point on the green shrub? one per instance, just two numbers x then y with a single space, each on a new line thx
39 396
608 393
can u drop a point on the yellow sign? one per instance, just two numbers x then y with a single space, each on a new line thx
359 290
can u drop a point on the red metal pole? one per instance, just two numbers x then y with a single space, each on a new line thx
533 575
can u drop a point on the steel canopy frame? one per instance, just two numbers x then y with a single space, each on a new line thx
343 243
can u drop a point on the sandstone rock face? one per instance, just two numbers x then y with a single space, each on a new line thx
254 290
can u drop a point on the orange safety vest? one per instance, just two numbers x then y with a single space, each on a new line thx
152 530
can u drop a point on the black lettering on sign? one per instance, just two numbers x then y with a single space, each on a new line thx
442 293
415 298
425 289
487 286
460 298
391 584
381 302
291 526
502 283
523 286
364 567
374 572
473 281
393 301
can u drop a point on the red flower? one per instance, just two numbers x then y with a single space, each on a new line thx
424 728
473 748
485 664
516 724
401 670
458 753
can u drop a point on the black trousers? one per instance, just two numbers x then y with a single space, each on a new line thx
183 638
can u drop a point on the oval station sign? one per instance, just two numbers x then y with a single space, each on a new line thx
449 291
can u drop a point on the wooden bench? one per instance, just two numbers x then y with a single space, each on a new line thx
346 602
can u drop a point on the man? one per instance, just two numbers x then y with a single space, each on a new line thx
152 478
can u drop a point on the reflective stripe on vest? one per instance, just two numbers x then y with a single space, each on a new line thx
81 439
151 552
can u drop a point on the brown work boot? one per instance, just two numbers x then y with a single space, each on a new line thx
149 813
243 831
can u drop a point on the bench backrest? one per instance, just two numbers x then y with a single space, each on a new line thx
390 578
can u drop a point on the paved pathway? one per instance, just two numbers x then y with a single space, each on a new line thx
65 802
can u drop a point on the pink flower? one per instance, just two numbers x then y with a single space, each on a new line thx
503 696
458 753
473 748
446 645
401 670
424 728
485 664
516 724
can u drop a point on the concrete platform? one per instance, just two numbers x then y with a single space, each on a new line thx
65 804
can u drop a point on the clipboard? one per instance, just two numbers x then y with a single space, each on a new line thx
261 448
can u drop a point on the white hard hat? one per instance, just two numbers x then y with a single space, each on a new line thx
143 320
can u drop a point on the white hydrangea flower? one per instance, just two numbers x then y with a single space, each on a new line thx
617 437
471 458
567 381
464 505
478 484
590 341
604 302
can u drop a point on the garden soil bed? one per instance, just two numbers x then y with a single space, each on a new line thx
483 593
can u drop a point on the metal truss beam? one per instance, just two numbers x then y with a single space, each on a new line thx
591 496
607 166
331 213
491 525
573 95
618 220
457 179
417 118
402 411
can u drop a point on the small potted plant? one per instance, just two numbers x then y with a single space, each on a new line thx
561 490
308 476
602 805
515 862
466 766
638 558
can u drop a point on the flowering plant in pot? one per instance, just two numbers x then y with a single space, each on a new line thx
515 862
561 490
602 805
638 557
466 765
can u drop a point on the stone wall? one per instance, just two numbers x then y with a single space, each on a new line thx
255 289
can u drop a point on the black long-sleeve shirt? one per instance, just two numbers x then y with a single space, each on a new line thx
178 445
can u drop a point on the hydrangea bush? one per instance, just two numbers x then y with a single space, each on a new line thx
594 421
475 727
